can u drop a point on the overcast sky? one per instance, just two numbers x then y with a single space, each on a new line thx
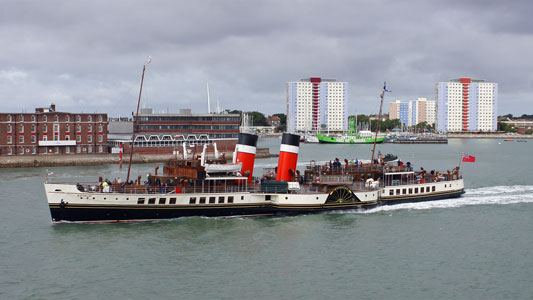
87 56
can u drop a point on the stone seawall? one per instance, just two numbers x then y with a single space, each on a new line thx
95 159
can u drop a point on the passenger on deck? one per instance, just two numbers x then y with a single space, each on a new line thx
80 187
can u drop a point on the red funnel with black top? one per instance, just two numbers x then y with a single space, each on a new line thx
246 149
288 157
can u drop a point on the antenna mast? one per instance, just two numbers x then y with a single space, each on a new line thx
208 100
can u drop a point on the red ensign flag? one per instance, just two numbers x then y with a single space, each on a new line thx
469 158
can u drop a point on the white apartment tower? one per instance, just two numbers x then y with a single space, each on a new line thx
466 105
314 102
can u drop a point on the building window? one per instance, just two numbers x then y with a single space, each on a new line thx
9 118
56 118
67 137
67 128
21 128
89 118
78 149
34 150
45 128
56 149
100 128
100 138
21 139
9 139
33 139
90 149
78 138
32 128
45 118
78 118
33 118
89 138
9 128
67 118
90 128
45 138
67 150
100 149
78 128
100 118
21 119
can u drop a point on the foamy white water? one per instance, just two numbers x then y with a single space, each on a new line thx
480 196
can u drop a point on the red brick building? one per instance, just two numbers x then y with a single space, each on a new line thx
50 132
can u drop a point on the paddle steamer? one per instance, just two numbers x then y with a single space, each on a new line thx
197 187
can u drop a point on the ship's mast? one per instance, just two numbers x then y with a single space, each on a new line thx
136 118
379 118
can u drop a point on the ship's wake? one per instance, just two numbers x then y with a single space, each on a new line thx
479 196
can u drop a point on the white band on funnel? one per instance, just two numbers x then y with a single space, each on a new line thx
289 148
246 149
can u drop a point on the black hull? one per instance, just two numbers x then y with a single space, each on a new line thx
420 198
85 213
73 213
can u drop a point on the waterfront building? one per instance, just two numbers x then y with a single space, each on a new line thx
47 131
413 112
165 133
466 105
274 121
317 104
421 110
522 126
399 110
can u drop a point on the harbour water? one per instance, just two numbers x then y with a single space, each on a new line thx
479 246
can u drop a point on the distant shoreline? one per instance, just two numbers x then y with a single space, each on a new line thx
488 136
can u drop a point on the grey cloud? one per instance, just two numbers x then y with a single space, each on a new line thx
89 54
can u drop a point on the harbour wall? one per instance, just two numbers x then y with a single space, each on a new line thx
15 161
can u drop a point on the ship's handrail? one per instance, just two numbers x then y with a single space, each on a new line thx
343 168
422 180
94 188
